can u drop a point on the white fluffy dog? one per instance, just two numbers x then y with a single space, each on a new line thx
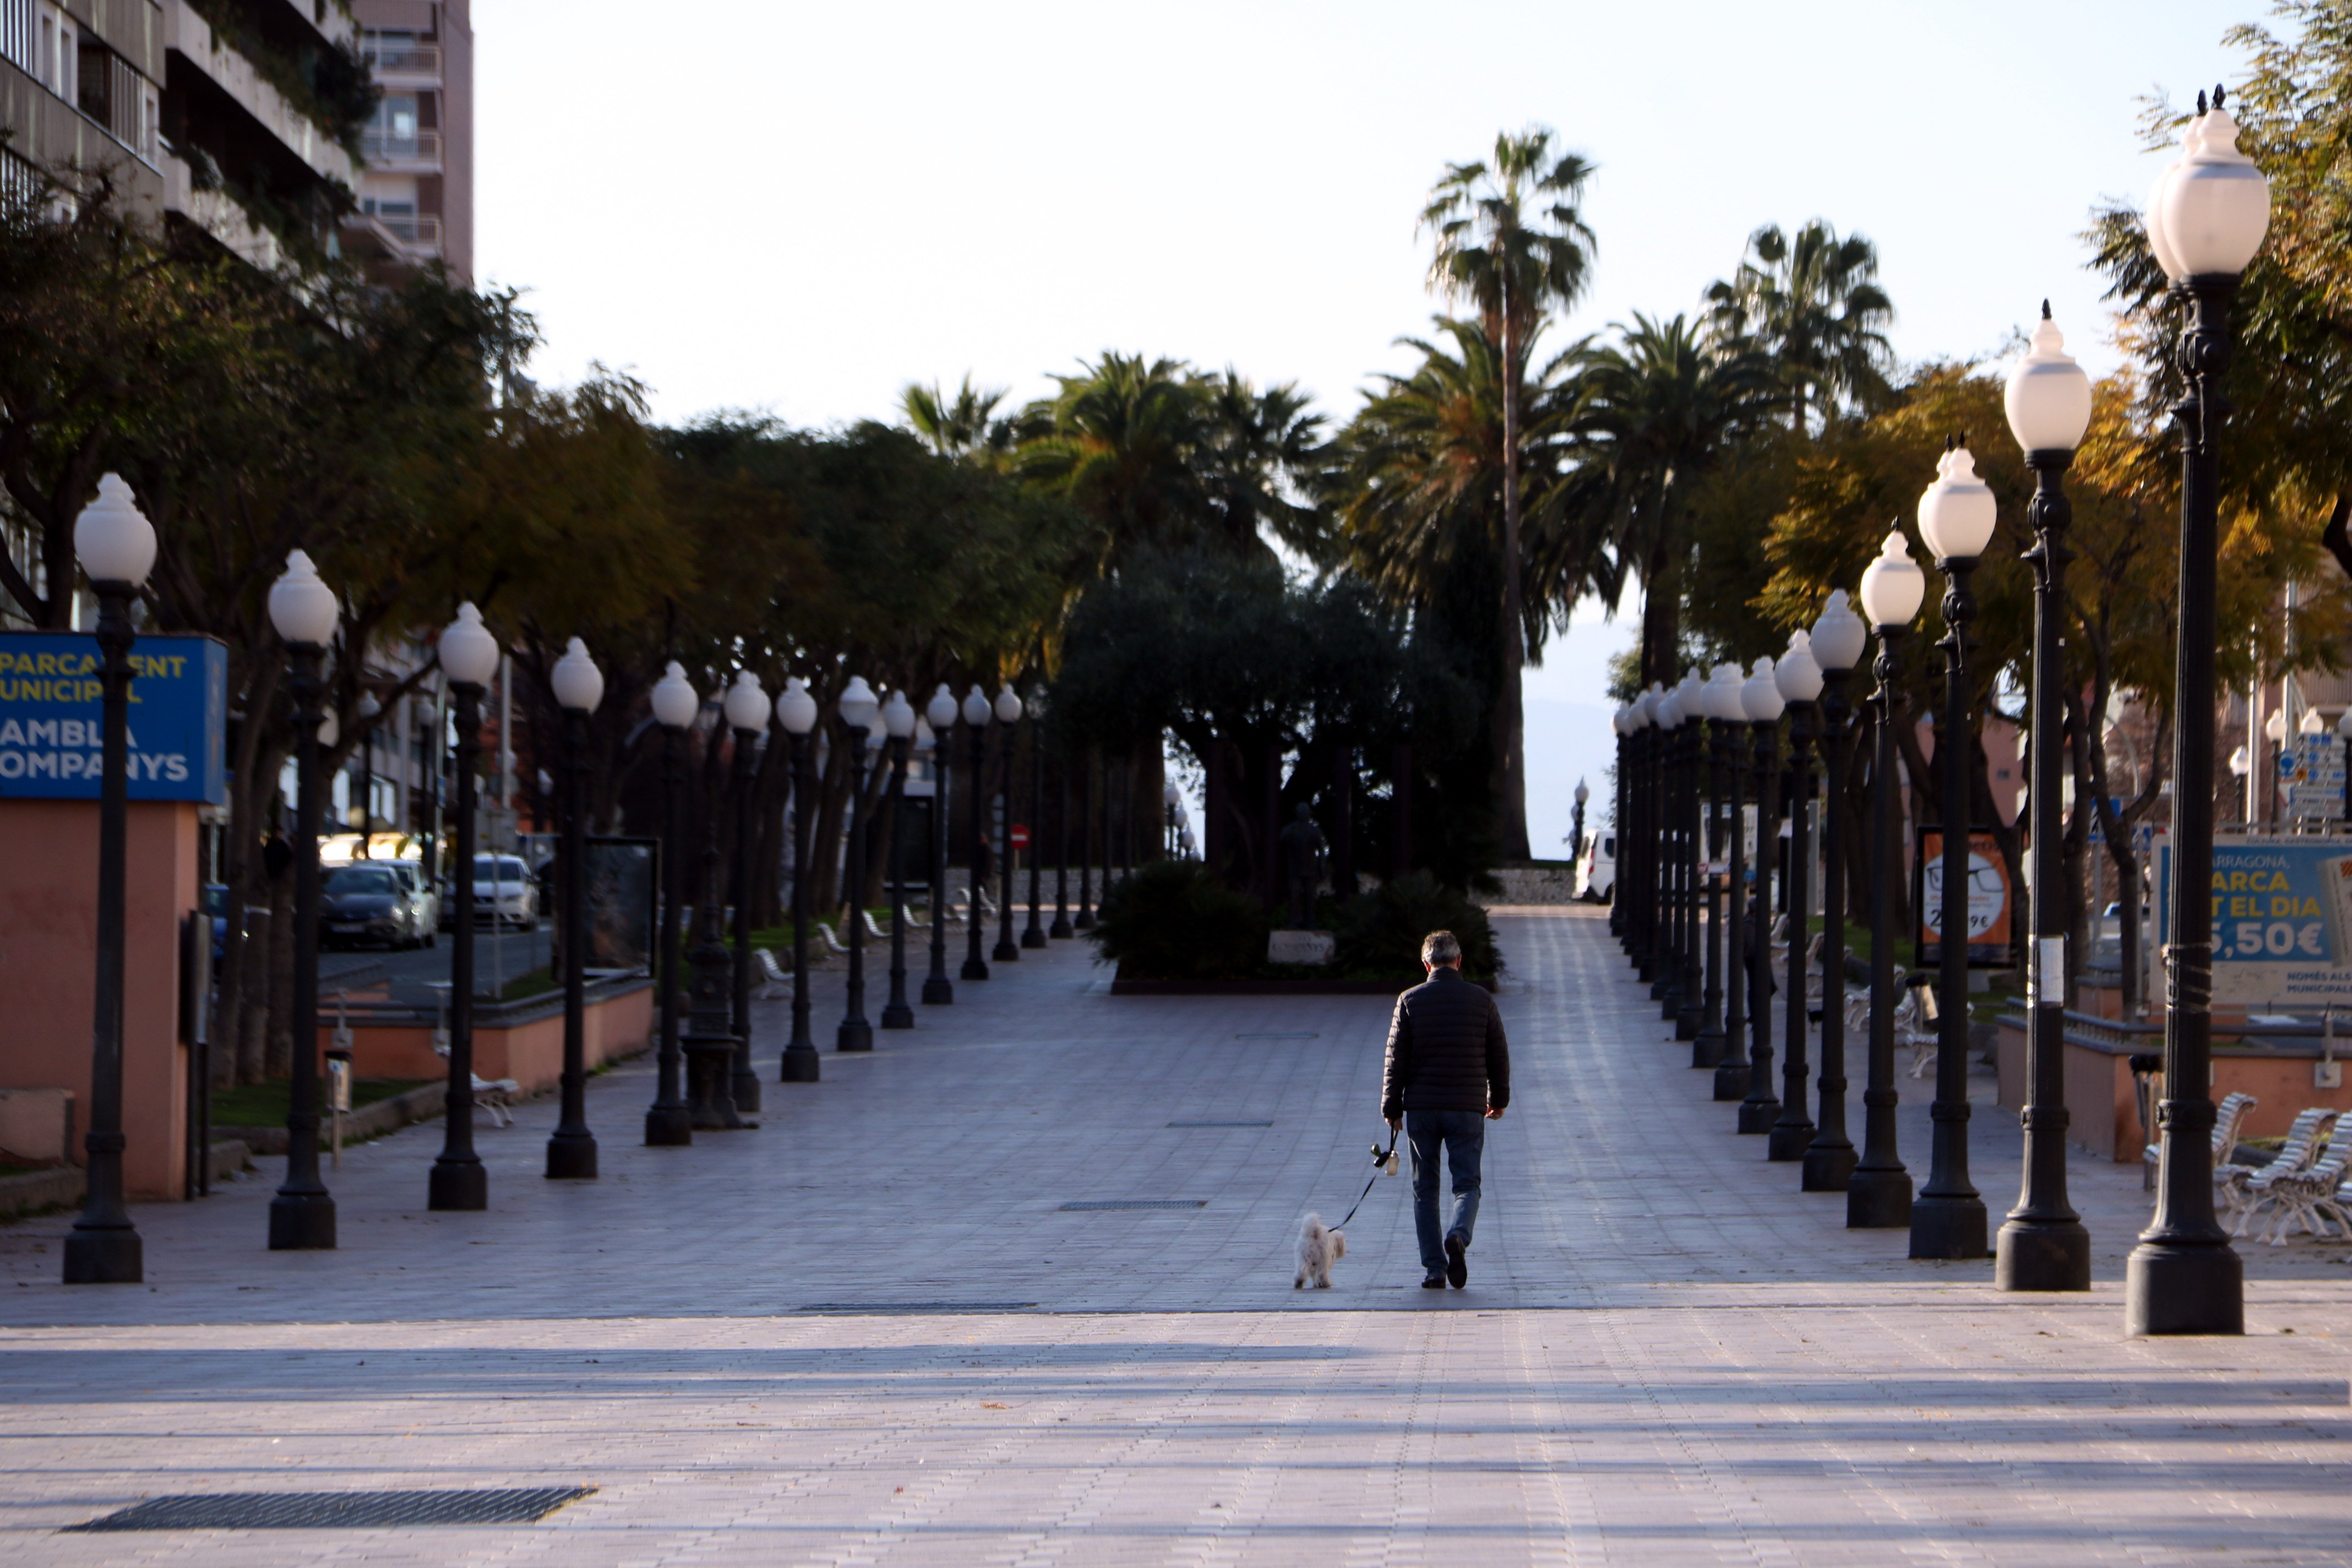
1318 1249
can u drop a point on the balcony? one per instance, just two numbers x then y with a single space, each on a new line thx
405 58
395 150
420 231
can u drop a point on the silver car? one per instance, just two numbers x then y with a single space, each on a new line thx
504 891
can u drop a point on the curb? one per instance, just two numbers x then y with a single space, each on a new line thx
421 1103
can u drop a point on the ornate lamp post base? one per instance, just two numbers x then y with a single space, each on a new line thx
1877 1199
2170 1287
898 1015
303 1222
572 1157
2042 1255
457 1185
669 1127
1828 1170
854 1035
802 1064
709 1080
110 1256
1948 1225
938 991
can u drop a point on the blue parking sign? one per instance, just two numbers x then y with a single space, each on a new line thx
52 709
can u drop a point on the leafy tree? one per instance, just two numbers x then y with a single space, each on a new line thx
1511 240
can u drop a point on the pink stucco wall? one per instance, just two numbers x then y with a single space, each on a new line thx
532 1053
48 934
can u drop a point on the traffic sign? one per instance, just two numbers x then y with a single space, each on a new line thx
1020 836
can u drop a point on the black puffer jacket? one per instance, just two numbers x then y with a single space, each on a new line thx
1446 1050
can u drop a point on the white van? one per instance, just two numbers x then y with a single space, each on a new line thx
1596 868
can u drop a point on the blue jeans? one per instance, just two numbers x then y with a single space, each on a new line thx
1464 1134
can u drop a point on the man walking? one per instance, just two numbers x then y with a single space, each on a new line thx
1448 1074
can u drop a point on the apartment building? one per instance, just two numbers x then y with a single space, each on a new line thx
417 190
248 118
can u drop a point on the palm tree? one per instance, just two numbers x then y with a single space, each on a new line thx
1814 304
1420 480
1119 440
1648 417
1166 458
1512 240
1262 448
962 426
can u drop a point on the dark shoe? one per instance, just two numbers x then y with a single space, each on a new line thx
1435 1282
1457 1267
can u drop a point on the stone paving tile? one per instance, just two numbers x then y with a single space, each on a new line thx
1666 1355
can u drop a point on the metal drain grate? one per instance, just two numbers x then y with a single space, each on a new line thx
338 1511
1137 1204
909 1309
1221 1124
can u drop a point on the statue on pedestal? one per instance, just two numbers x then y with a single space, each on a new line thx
1302 867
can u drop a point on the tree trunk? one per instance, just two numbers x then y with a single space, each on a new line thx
1511 718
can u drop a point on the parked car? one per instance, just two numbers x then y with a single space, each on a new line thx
362 902
504 891
428 894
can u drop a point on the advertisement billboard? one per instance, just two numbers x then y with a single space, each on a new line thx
1989 900
2282 918
51 710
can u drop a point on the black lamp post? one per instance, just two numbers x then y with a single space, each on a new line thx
1956 519
469 658
1061 930
1618 723
2043 1245
1638 844
1761 697
675 703
938 991
1707 1050
1673 748
1838 639
1731 1068
1799 679
303 610
858 709
1878 1194
710 1039
977 712
898 723
746 707
579 687
1090 793
116 545
796 711
1691 1005
1033 934
302 1213
1008 714
2206 224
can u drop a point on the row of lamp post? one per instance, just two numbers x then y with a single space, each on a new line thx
116 546
2205 221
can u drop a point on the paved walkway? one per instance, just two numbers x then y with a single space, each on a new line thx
870 1331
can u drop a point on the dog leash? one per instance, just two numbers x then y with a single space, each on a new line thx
1381 1158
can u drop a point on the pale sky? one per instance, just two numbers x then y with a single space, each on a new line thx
801 208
